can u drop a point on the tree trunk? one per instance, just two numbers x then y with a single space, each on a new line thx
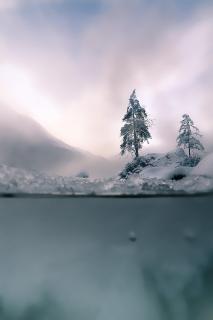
135 136
136 152
189 152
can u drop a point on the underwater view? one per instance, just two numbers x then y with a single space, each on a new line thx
99 258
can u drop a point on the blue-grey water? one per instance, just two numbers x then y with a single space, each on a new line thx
106 258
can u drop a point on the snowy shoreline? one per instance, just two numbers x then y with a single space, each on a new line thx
162 176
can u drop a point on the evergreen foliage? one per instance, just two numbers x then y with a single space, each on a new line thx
134 167
135 130
189 136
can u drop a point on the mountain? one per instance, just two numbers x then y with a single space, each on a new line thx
27 145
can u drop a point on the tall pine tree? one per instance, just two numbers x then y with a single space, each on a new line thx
189 136
135 131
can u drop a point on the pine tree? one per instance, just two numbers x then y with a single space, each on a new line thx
189 135
135 131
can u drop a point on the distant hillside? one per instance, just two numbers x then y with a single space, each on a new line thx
26 144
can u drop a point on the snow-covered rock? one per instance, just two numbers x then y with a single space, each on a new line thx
205 167
167 172
173 158
160 166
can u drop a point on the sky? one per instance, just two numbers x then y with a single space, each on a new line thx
72 65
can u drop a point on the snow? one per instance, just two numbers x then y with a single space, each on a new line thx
164 175
155 165
135 131
205 167
189 135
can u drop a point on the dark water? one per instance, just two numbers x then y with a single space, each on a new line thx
106 259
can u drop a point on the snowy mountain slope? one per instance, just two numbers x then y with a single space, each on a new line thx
25 144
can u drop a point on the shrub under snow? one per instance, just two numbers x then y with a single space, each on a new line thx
161 166
82 174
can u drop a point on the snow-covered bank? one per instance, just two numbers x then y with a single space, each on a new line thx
154 174
14 180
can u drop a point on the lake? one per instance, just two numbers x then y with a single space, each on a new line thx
89 258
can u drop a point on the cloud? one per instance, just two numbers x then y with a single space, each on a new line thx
13 4
165 61
88 65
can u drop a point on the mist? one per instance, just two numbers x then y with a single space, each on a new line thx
77 63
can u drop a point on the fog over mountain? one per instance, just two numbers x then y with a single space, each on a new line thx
24 143
72 65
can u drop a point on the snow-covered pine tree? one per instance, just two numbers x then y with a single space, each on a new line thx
189 136
135 131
